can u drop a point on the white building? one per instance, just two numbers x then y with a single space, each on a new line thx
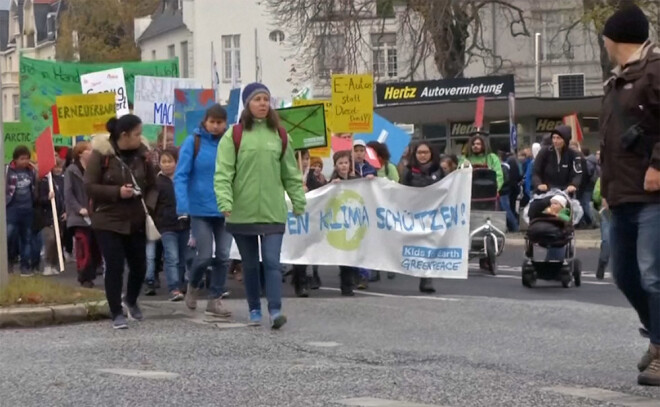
27 27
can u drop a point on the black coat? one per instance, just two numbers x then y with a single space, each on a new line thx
166 218
44 207
417 177
568 171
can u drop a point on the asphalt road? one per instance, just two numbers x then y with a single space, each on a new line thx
486 341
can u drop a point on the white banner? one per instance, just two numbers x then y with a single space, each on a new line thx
381 225
108 81
154 98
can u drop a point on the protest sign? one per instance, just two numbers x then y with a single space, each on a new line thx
186 100
352 103
305 125
84 114
154 98
41 81
16 134
322 152
194 119
111 81
235 106
45 152
381 225
390 134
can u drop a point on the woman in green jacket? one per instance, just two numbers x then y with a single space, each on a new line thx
251 175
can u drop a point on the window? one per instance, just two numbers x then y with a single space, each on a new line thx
184 59
171 53
231 58
331 58
17 107
385 8
153 54
384 55
276 36
552 26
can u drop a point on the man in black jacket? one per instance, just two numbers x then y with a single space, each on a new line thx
558 166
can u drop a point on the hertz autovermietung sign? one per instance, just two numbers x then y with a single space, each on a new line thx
444 90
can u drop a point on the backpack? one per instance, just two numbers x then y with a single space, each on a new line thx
592 172
237 135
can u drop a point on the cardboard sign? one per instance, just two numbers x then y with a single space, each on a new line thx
352 103
305 125
322 152
186 100
154 98
84 114
108 81
17 134
46 152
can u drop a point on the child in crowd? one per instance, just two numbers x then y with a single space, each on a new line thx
174 230
342 172
315 177
20 195
362 168
558 208
449 163
51 266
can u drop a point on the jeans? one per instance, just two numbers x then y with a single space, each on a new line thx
206 231
604 256
585 203
636 260
511 219
271 247
19 235
174 253
36 244
118 249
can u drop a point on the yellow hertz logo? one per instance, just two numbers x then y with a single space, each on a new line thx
393 93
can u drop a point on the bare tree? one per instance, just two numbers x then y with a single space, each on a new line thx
337 35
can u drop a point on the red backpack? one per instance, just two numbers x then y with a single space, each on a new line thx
237 135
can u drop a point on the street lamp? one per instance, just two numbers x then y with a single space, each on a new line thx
4 262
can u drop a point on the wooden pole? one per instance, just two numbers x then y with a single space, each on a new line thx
56 223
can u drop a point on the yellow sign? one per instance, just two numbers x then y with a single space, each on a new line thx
352 103
322 152
84 114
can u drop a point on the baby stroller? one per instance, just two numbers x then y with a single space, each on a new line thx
550 243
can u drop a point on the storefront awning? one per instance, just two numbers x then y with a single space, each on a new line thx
496 109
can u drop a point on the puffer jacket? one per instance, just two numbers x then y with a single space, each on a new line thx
414 176
104 177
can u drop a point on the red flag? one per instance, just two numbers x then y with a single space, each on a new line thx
576 130
56 121
372 158
45 153
341 144
479 114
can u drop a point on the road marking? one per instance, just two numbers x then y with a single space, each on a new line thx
373 294
145 374
374 402
605 396
324 344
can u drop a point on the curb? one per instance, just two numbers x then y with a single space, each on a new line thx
580 244
28 317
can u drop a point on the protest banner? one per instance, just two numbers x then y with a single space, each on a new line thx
154 98
186 100
390 134
352 103
41 81
380 225
84 114
16 134
479 112
110 81
322 152
305 125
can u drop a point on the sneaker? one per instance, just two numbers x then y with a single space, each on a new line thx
255 318
348 293
150 289
87 284
363 284
277 320
134 311
651 375
50 271
645 361
215 308
191 297
119 322
176 296
315 283
26 273
225 294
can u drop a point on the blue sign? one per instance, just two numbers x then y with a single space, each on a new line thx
194 119
232 108
394 137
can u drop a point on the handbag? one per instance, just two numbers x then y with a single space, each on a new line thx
149 225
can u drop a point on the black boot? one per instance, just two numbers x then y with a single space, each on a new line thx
299 280
600 271
426 285
315 284
347 278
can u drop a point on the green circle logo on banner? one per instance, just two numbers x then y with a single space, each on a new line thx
349 220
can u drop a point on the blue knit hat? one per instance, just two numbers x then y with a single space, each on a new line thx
253 89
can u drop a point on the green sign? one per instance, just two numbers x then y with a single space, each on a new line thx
17 134
42 81
305 125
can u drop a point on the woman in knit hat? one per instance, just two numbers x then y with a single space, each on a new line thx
255 166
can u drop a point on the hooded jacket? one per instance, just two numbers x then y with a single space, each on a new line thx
75 196
193 179
558 170
11 173
104 177
486 158
632 97
165 216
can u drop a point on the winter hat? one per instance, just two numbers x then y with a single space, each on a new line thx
628 25
564 132
316 161
560 200
253 89
536 147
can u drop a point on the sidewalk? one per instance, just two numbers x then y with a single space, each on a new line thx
586 239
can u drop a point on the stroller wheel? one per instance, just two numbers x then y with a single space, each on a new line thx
491 254
577 272
566 280
529 280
